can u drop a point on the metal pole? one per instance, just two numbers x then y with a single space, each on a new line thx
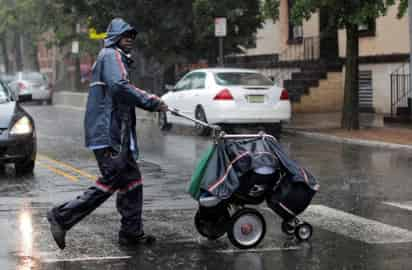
221 62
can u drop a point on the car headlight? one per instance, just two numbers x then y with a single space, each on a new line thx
22 126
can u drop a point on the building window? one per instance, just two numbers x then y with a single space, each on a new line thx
295 31
365 91
367 29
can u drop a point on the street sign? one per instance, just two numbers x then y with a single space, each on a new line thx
97 36
220 27
75 47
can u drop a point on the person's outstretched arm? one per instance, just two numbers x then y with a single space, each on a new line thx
115 76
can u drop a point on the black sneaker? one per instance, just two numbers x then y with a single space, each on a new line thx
59 234
127 239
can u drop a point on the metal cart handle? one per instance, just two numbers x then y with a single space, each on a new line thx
176 112
217 131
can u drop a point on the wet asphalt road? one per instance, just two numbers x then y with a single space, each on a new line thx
361 216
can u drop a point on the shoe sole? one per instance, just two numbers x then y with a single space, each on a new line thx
52 221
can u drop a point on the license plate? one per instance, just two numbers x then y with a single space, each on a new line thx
256 98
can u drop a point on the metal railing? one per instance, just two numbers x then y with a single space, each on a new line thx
308 49
400 88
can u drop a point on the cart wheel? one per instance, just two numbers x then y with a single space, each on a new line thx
304 231
287 228
209 229
247 228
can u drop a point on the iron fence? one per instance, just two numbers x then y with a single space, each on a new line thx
307 49
400 91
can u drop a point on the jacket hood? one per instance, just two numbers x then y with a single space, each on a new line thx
114 31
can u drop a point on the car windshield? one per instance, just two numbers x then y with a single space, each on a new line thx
32 76
241 78
4 93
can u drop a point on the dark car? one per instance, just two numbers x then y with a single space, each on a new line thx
17 132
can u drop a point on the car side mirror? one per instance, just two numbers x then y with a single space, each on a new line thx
24 98
170 87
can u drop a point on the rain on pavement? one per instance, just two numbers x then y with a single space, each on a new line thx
361 216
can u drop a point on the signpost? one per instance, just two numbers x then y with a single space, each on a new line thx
220 33
75 47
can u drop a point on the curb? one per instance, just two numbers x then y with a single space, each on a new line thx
332 138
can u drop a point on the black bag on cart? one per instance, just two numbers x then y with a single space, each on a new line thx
289 199
234 159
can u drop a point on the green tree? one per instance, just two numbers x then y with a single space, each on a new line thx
176 28
175 31
5 14
243 20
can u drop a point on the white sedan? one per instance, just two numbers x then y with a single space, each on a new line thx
227 96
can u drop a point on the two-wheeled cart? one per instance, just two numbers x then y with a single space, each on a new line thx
223 212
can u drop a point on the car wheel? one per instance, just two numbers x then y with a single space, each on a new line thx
201 130
274 129
49 101
25 167
162 121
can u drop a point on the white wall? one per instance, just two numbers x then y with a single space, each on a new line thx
381 85
267 39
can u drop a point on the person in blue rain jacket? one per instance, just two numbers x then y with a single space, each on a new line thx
110 132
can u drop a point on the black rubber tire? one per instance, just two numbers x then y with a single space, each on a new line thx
235 217
209 229
25 167
307 234
287 228
201 130
274 129
162 121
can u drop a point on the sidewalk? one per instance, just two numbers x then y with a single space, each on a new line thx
393 136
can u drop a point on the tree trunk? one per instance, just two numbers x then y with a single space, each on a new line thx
35 54
18 47
76 61
77 74
3 40
350 112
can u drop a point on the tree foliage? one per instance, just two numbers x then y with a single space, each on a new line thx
170 30
243 20
270 9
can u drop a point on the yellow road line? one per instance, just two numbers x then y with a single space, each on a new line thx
59 172
65 165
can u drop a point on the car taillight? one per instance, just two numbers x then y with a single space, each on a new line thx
224 95
284 95
21 86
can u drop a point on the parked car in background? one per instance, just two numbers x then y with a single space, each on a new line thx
227 97
34 83
17 132
6 78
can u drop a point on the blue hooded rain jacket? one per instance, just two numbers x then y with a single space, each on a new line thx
111 95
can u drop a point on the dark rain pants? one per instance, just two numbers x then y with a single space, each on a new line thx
119 174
